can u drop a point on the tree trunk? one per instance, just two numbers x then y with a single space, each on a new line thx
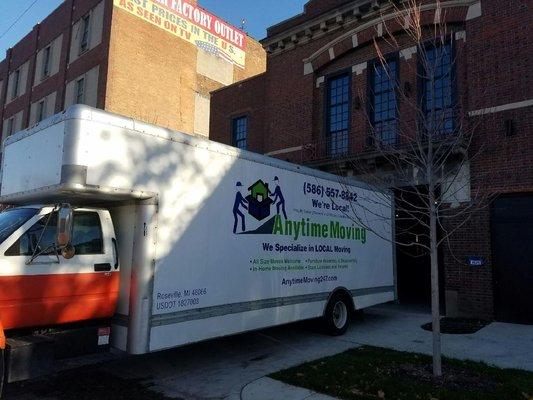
435 306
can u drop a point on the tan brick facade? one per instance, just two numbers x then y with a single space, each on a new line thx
128 66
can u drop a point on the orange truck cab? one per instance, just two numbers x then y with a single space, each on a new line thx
43 288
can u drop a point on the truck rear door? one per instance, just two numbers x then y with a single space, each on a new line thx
52 290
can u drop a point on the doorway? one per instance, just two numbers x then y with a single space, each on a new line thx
512 252
414 262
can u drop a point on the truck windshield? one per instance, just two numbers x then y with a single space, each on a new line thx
11 220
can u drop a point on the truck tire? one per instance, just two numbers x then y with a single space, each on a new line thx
337 316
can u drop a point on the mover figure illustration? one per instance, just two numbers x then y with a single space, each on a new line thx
279 200
240 201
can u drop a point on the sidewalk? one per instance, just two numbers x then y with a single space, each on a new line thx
237 367
500 344
269 389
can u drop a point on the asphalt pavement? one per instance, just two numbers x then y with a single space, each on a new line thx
235 368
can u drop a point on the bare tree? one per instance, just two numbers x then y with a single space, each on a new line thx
419 145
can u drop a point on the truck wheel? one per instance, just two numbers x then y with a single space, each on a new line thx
337 315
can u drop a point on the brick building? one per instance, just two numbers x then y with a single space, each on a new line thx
156 62
292 112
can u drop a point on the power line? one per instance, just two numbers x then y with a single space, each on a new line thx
18 19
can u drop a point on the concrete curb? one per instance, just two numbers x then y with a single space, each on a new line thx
270 389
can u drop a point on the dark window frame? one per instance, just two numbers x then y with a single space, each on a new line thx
238 141
47 59
85 33
16 84
80 84
41 109
422 81
394 57
337 151
10 125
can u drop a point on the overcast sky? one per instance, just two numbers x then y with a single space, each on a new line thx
259 15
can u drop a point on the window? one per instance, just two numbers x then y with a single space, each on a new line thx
383 103
85 27
16 84
28 244
438 90
240 132
41 110
80 91
338 115
11 220
87 233
87 236
10 126
46 62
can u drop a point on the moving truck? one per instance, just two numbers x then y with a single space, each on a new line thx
138 238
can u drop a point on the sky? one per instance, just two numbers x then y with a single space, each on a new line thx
259 15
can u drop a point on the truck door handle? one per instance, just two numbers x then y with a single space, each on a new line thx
106 267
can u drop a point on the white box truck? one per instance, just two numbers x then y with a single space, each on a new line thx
156 239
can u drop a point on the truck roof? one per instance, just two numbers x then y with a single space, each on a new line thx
67 187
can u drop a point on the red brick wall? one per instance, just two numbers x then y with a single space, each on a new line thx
246 99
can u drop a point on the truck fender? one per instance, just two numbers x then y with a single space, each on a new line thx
341 291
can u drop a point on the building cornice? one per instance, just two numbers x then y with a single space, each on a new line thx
355 17
323 24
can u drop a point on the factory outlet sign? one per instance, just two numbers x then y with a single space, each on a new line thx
193 24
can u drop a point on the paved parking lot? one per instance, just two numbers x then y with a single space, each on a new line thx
223 368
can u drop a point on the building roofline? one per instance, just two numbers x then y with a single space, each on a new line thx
239 82
272 32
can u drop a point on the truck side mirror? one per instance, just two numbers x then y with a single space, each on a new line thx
64 225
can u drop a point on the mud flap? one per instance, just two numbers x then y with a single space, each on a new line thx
2 358
2 371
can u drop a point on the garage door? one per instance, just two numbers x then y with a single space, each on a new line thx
512 250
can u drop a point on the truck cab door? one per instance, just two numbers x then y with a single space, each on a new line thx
52 290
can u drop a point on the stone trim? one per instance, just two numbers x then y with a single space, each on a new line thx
504 107
407 53
285 151
474 11
377 22
324 24
359 68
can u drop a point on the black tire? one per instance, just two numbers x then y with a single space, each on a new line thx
338 314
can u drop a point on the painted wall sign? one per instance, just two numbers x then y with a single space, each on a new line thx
193 24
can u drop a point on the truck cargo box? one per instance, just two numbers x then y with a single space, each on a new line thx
213 240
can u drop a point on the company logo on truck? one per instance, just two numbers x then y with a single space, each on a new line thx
258 205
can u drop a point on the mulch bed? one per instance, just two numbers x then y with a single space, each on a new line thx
458 326
454 377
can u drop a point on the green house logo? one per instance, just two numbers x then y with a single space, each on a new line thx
258 204
259 200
